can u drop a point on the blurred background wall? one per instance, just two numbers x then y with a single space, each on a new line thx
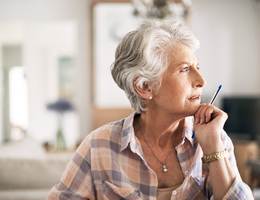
47 33
43 36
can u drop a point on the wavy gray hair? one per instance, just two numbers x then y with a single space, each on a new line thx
141 57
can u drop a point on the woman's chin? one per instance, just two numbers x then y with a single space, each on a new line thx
194 109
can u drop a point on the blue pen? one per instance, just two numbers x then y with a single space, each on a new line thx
211 102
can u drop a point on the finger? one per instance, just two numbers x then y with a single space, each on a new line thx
214 113
202 114
222 116
199 115
205 113
208 113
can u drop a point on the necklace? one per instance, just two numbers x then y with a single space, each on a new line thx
163 163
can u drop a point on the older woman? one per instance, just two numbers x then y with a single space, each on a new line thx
151 154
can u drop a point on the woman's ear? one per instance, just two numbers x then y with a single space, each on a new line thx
145 91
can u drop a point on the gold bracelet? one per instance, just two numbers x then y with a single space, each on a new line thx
214 156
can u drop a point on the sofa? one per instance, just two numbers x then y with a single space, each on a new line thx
27 171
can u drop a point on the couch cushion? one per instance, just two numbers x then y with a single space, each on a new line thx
25 148
35 194
27 173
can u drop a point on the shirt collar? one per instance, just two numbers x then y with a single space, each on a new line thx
127 131
189 129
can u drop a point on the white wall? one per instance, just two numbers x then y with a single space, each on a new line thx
227 29
229 33
44 44
37 19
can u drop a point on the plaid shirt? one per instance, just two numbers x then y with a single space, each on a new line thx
109 164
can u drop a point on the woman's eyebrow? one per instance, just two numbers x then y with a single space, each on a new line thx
188 63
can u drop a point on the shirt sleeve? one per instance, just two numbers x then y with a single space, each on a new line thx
238 190
76 182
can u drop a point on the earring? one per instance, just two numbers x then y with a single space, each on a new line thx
150 97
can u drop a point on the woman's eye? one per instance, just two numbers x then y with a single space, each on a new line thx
184 69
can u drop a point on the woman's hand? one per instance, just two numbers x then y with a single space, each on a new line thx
208 123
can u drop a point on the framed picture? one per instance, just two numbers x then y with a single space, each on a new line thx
111 22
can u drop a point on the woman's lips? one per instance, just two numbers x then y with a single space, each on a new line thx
195 97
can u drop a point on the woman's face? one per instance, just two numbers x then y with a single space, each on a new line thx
181 88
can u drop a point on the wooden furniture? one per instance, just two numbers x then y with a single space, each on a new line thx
254 166
102 116
245 151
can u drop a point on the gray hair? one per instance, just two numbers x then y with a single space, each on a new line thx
141 57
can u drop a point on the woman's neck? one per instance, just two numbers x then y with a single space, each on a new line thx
158 131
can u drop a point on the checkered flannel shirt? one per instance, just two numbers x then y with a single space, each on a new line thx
109 164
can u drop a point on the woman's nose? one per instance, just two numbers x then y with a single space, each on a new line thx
199 80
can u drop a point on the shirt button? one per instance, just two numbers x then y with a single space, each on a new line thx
174 192
186 173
